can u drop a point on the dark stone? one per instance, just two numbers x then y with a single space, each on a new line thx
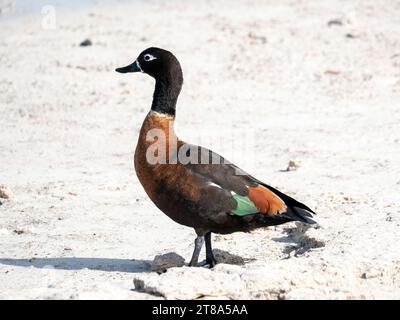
335 22
86 43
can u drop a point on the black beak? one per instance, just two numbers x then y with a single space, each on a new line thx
134 67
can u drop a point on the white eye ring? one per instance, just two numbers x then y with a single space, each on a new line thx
149 57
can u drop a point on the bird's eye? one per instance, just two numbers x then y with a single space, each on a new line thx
149 57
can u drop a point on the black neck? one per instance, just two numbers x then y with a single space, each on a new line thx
166 95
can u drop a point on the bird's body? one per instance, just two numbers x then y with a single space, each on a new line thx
193 185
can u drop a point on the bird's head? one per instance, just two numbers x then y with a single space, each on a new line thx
158 63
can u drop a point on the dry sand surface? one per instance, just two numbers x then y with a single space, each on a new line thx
317 82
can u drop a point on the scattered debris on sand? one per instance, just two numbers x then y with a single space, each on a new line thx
293 165
86 43
6 193
351 36
335 22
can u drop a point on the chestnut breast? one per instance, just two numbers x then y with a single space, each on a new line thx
168 183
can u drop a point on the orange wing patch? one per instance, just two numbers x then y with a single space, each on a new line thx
266 201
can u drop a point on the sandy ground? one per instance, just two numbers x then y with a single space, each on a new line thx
264 83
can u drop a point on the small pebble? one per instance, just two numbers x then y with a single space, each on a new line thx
335 22
86 43
293 165
5 192
332 72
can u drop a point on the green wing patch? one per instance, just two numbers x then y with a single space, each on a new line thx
244 206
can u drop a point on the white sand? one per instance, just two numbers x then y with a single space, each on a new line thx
274 73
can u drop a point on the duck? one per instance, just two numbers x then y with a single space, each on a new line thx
193 185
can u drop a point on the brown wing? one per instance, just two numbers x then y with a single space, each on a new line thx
224 177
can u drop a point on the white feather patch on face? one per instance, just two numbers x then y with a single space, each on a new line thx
148 57
138 65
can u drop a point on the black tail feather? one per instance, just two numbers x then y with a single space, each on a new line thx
298 214
290 201
304 215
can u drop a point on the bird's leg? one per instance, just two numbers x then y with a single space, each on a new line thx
198 243
210 259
